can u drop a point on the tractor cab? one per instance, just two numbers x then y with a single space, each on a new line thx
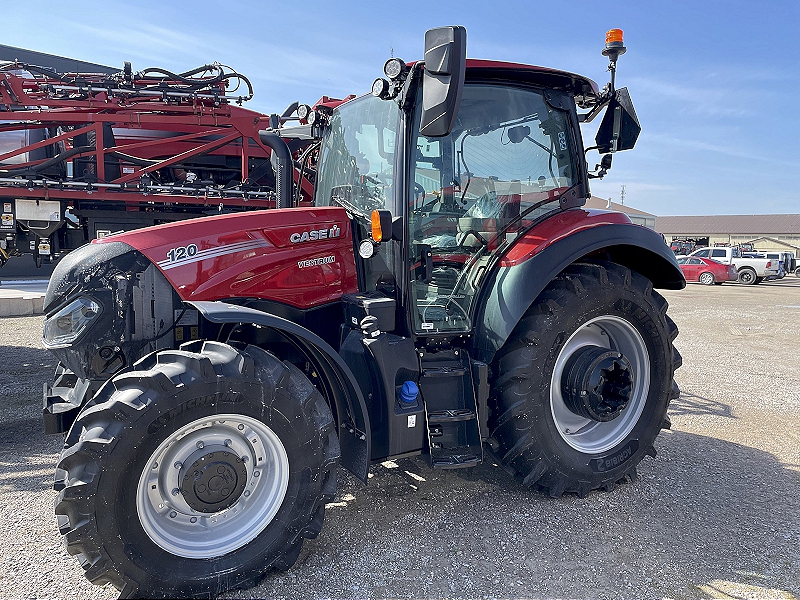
455 184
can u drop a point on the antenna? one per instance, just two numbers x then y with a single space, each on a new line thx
622 196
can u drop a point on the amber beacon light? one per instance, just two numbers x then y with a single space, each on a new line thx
614 45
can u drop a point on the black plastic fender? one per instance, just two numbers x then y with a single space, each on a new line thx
509 291
351 410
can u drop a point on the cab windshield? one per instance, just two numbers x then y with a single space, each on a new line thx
506 162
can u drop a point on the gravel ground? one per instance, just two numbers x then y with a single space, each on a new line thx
714 515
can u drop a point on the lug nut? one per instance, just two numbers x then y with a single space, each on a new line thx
200 445
256 473
173 514
175 492
178 465
228 443
193 520
241 426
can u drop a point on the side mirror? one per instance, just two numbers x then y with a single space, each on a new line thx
443 79
620 127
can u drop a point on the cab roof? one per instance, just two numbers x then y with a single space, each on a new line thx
551 78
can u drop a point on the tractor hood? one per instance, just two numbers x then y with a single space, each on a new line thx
302 257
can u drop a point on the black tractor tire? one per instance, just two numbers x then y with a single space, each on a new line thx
600 301
706 278
747 276
279 426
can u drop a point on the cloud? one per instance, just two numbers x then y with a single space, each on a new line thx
714 101
726 150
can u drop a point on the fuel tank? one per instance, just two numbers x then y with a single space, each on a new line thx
302 257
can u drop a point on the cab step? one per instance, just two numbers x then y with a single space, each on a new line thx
451 410
459 457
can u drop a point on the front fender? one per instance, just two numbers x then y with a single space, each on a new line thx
351 410
514 285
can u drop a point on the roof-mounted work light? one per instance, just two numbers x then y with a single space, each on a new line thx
381 88
395 68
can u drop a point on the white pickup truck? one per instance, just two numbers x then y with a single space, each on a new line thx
751 270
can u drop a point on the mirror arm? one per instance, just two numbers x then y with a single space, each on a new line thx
408 94
602 102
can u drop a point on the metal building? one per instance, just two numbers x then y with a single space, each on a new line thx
766 232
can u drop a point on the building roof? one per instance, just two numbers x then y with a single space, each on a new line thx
731 225
595 202
59 63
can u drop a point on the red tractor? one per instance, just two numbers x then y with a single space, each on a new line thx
445 296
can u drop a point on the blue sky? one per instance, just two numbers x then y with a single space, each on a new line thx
713 82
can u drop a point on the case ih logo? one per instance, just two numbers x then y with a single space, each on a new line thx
316 235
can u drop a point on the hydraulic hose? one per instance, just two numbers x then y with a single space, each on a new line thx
282 166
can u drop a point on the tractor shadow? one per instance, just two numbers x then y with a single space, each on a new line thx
692 404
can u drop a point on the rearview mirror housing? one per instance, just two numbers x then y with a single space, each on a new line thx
620 127
442 79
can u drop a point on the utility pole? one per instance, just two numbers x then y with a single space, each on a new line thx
622 196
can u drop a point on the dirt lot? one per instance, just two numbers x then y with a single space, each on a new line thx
716 514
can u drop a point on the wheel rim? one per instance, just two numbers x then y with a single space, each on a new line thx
166 516
747 276
587 435
706 278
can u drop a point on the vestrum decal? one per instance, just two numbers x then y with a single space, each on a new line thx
313 262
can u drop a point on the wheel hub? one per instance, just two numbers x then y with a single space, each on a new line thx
597 383
214 481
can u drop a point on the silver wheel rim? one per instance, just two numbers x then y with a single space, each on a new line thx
586 435
174 526
706 278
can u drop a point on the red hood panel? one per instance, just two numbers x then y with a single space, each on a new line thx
301 256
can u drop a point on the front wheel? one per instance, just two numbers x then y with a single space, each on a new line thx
196 472
581 388
706 278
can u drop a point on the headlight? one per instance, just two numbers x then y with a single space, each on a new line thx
65 326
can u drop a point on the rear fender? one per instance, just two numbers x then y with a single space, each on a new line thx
515 284
351 410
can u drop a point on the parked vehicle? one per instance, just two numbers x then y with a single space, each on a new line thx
214 372
706 270
682 247
777 263
786 258
751 270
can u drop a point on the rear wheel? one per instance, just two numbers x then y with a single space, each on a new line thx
747 276
196 472
706 278
581 388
